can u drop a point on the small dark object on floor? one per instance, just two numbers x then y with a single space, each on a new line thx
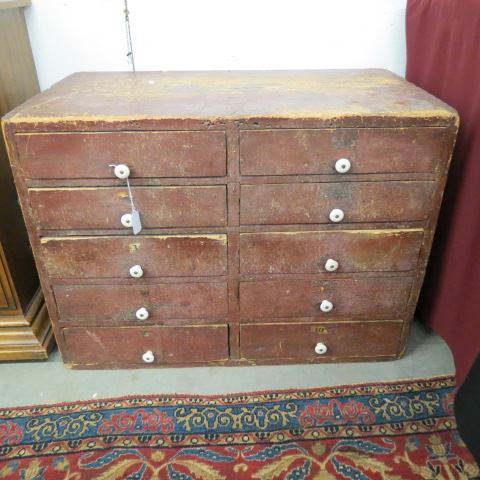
467 410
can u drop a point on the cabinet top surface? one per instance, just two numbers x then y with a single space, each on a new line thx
230 95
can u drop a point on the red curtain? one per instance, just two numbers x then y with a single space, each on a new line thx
443 57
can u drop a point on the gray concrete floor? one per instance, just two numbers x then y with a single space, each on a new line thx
28 383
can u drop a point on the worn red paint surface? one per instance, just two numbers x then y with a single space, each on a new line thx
234 175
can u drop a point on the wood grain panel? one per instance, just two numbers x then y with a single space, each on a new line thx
370 150
312 202
121 346
343 340
18 82
3 297
25 329
102 208
118 303
18 77
148 154
307 252
8 299
162 255
364 297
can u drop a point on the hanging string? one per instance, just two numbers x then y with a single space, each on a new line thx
130 195
128 34
135 215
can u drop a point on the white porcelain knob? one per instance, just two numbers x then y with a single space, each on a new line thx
142 314
126 220
148 357
121 171
320 348
326 306
336 215
136 271
343 165
331 265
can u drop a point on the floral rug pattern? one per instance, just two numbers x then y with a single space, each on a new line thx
388 431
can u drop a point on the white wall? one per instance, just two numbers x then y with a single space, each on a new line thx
79 35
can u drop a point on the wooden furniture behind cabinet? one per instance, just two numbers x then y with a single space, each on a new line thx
25 329
287 216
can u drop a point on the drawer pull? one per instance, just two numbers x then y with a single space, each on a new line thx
336 215
320 348
142 313
126 220
343 165
136 271
326 306
148 357
121 171
331 265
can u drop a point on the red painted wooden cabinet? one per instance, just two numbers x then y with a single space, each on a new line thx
286 216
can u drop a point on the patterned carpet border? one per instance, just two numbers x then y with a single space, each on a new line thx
344 390
384 430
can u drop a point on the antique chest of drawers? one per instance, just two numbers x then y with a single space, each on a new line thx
286 217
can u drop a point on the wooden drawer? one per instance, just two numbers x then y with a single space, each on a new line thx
112 257
298 340
102 208
124 346
148 154
119 303
364 297
307 252
312 202
370 150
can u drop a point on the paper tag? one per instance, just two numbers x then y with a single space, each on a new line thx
136 222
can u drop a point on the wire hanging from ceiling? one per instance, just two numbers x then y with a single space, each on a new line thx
128 34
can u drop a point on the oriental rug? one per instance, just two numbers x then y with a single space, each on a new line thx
402 430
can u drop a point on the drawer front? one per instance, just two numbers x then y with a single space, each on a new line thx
370 150
127 345
362 297
312 202
307 252
102 208
120 303
148 154
345 340
110 257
